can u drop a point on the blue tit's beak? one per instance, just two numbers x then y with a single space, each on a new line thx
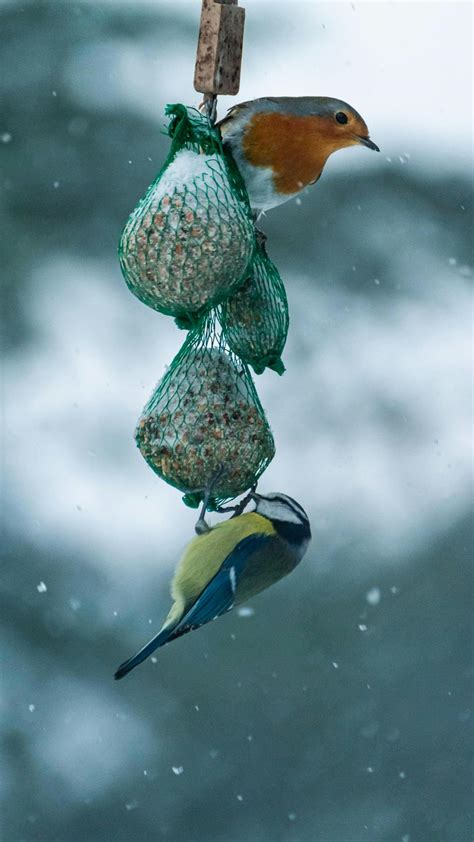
366 141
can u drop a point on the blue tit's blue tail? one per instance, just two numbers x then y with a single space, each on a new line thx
160 639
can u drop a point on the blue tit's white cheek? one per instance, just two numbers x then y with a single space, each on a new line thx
274 510
278 498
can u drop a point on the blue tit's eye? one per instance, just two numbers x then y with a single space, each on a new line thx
341 117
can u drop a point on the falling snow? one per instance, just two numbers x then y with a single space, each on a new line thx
245 611
373 596
131 805
41 588
177 770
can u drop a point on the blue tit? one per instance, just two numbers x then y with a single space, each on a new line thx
230 562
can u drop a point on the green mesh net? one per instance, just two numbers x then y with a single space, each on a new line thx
255 318
189 241
205 415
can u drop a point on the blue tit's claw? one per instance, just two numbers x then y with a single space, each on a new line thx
201 526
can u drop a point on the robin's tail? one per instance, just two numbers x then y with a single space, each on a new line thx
160 639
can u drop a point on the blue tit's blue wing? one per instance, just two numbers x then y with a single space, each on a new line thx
216 599
218 596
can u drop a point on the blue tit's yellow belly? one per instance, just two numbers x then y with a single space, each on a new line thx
205 554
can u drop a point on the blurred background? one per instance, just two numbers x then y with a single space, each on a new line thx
337 708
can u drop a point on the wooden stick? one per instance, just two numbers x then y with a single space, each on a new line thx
219 50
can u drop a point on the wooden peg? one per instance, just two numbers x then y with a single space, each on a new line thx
219 50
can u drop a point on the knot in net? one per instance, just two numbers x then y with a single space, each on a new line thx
204 416
189 241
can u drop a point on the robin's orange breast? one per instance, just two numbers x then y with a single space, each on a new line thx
296 148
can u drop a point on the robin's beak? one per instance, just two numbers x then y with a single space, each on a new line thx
366 141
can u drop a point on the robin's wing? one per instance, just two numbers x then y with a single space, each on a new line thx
234 112
267 103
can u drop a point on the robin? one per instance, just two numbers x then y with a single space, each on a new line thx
281 144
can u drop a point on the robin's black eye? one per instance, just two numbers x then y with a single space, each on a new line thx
341 117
